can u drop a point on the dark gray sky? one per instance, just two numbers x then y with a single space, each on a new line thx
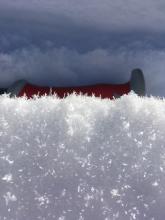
71 42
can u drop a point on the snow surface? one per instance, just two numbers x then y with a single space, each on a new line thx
82 158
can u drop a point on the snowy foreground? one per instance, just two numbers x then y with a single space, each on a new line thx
82 158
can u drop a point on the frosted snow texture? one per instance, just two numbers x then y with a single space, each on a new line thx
82 158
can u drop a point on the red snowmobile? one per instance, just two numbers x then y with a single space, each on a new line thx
136 84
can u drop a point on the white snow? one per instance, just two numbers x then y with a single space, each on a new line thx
82 158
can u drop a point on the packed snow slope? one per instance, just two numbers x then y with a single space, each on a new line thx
82 158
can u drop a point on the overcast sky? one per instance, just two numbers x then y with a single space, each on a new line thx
73 42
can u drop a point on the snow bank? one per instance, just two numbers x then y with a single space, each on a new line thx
82 158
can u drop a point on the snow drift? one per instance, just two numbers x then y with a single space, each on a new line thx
82 158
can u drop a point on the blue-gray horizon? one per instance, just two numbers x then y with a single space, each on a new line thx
82 42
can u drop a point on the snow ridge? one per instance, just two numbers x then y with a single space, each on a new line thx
82 158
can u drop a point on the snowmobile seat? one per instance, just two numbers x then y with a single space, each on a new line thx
136 84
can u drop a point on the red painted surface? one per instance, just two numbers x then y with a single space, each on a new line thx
103 90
